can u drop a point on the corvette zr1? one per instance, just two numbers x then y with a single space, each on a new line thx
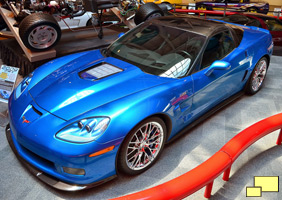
79 120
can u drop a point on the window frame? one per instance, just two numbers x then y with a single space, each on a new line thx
198 64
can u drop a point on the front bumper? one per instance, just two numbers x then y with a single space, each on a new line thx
52 181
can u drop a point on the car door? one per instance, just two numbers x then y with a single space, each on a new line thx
209 90
68 22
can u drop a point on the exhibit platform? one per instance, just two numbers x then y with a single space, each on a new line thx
261 159
71 42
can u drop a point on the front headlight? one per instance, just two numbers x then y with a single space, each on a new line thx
23 85
85 130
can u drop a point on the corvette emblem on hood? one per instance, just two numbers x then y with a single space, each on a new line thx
25 120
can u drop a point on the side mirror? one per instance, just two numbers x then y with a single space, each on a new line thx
120 34
218 65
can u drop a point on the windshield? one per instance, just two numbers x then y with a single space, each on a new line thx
158 50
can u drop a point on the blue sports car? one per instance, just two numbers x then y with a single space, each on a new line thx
80 120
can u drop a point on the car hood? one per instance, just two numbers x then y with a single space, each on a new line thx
67 92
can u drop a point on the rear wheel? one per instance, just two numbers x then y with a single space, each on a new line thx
146 12
257 77
93 21
142 147
39 31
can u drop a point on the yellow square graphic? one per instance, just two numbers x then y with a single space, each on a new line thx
253 192
267 183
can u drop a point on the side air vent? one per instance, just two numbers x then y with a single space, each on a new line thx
246 72
99 71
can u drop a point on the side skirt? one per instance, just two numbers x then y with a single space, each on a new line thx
207 115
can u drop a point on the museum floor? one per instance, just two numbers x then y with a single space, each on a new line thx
261 159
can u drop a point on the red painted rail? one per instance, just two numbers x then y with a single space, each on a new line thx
220 162
207 12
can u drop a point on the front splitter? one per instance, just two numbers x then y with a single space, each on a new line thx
50 180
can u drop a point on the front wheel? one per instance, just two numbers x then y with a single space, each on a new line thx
39 31
257 77
142 147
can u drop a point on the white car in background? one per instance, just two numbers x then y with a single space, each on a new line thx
75 22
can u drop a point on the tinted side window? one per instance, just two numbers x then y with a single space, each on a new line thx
273 25
217 48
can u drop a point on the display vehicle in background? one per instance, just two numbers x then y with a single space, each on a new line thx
76 19
256 6
40 24
259 20
80 120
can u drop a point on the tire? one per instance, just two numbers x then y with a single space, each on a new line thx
39 31
257 77
146 12
135 146
165 6
91 20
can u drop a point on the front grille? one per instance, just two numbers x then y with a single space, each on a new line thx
43 161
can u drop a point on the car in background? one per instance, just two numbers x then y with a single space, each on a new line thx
80 120
81 20
259 20
66 19
256 6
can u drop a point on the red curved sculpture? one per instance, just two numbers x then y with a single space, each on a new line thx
204 174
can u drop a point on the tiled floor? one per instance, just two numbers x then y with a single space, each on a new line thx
261 159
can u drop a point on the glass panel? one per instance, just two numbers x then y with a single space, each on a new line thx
158 49
217 48
273 25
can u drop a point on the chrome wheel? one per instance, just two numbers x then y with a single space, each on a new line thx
144 145
42 37
259 75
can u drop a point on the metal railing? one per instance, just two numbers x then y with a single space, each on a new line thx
221 162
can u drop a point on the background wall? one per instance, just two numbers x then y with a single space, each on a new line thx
275 2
